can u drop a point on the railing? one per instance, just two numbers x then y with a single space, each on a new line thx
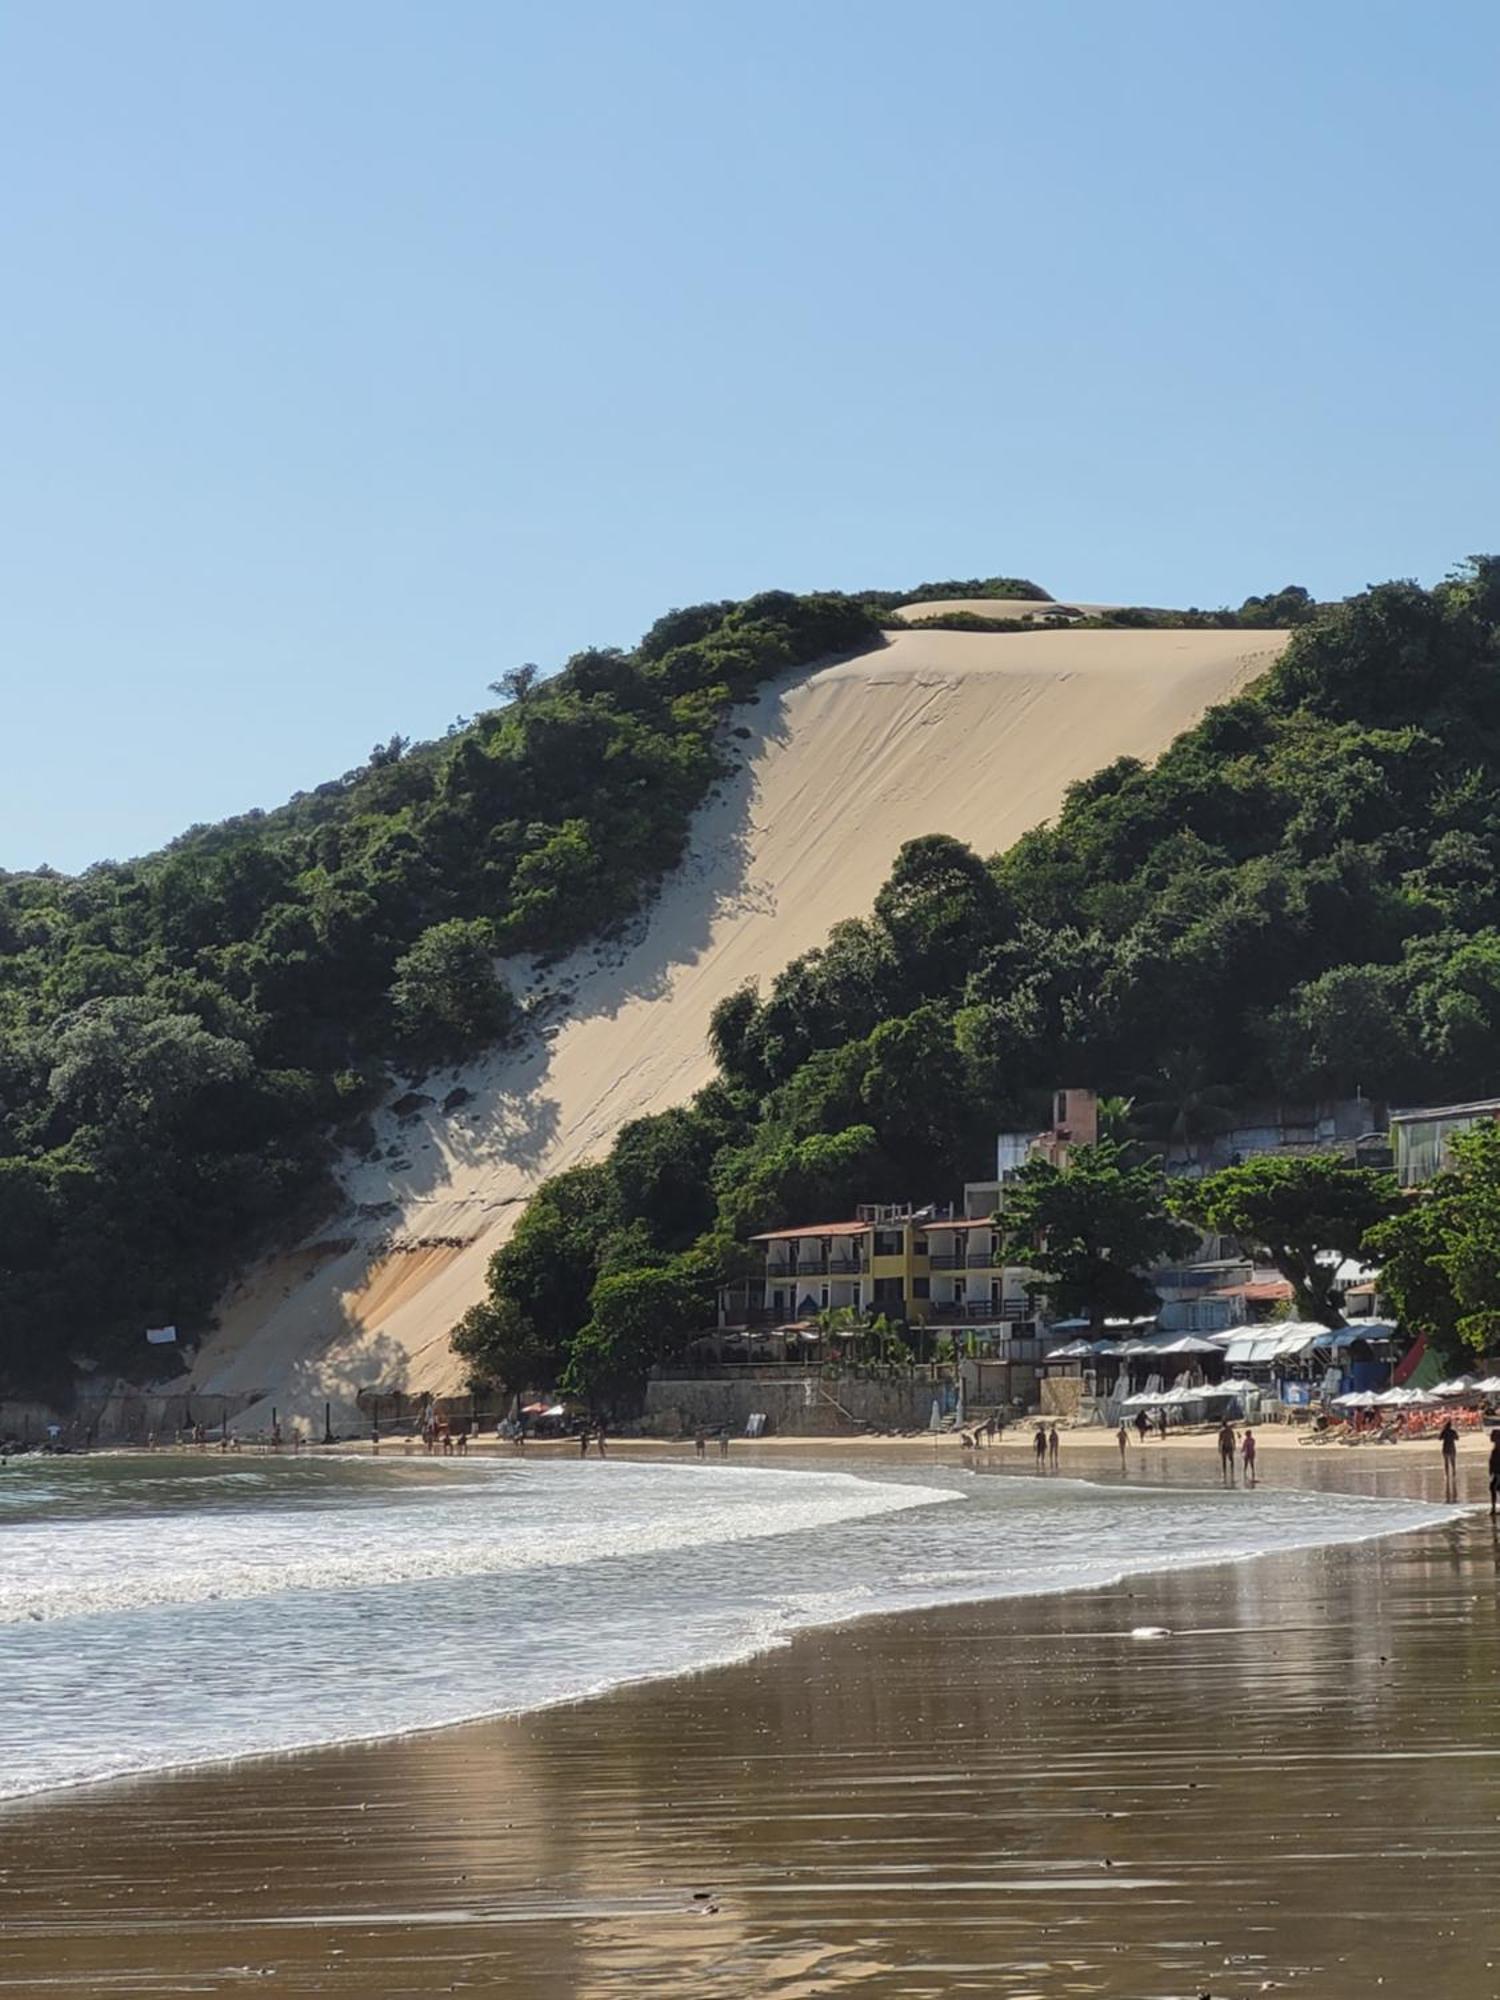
984 1260
944 1260
817 1267
982 1312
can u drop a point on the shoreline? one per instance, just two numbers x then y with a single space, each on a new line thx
772 1455
565 1850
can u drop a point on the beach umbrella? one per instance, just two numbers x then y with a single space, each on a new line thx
1489 1386
1357 1399
1457 1385
1236 1385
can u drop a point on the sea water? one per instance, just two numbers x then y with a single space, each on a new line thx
168 1610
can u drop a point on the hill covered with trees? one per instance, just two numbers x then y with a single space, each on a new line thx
186 1040
1300 897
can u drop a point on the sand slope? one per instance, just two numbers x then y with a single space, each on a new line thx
971 734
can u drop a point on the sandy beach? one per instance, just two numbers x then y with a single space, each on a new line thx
1293 1785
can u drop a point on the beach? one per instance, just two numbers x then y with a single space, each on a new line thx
1277 1774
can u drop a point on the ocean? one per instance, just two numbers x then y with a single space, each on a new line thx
165 1611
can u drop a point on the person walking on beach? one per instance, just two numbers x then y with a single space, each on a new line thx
1161 1425
1226 1451
1142 1425
1039 1447
1494 1472
1448 1438
583 1442
1247 1453
1122 1439
599 1439
1052 1448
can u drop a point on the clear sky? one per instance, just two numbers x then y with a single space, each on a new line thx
352 352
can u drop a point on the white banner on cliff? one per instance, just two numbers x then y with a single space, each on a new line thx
161 1336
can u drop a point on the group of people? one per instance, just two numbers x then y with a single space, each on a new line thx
1045 1447
700 1441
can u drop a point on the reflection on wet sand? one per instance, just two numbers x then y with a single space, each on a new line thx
1297 1788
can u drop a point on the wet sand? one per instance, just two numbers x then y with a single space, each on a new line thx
1298 1789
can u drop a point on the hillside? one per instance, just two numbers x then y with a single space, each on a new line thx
977 736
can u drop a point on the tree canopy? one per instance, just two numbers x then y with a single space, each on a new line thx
1308 1213
1440 1253
1091 1230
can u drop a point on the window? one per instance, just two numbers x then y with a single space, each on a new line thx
888 1243
887 1291
921 1288
919 1246
824 1300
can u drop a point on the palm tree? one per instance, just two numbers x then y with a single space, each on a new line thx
1185 1108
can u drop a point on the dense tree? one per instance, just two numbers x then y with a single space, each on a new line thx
1307 1212
1091 1231
1440 1254
636 1319
447 996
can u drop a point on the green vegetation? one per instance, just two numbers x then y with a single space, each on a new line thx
1440 1257
186 1038
1291 605
1308 1214
1300 898
1088 1230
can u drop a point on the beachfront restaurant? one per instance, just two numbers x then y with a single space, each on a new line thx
1302 1362
1135 1358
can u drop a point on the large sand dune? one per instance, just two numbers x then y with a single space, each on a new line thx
976 735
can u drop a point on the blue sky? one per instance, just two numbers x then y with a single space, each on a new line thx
352 353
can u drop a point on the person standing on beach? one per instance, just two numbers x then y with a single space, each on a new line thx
583 1442
1247 1453
700 1441
1161 1425
1494 1472
1226 1451
723 1440
1448 1438
1122 1439
1039 1447
1052 1448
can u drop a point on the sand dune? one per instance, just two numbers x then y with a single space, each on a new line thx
976 735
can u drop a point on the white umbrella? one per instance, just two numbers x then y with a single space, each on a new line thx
1397 1399
1490 1386
1235 1386
1145 1401
1458 1385
1357 1399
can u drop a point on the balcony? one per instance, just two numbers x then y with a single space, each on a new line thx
981 1312
816 1267
984 1260
943 1260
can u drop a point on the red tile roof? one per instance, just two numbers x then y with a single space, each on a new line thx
815 1229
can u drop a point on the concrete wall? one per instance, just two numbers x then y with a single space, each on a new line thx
793 1406
117 1414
